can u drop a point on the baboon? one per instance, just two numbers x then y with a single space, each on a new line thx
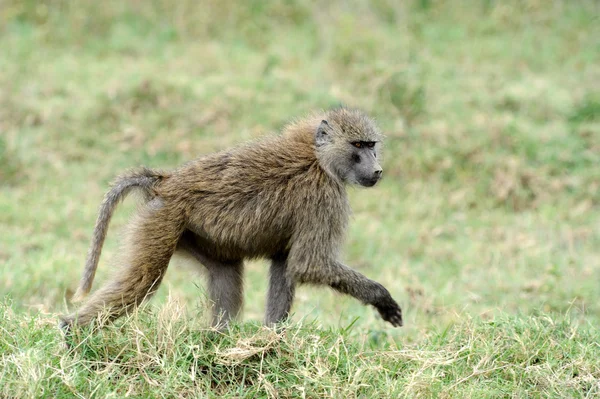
282 198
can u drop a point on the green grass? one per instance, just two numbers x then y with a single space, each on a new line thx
165 354
485 227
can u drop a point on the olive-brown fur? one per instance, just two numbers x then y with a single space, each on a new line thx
282 198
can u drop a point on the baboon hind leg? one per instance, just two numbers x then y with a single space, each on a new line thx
225 281
151 241
281 292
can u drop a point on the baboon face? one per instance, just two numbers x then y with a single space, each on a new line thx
363 168
348 146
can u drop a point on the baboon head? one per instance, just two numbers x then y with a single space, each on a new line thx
348 144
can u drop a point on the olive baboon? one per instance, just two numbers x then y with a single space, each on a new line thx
281 198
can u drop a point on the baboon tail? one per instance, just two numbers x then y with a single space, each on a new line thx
144 179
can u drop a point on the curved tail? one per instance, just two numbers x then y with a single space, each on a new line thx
144 179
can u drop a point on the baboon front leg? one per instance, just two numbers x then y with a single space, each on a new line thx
225 282
281 292
151 241
348 281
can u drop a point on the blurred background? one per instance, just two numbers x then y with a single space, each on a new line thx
490 199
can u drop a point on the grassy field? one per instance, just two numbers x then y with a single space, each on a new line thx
486 226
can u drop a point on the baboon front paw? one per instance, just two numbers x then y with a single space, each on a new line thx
391 312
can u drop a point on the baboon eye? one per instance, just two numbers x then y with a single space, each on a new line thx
357 144
371 144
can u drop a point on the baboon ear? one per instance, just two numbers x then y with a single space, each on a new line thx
322 136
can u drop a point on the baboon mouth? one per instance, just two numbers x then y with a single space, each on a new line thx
368 182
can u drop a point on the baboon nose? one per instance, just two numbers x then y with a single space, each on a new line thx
378 173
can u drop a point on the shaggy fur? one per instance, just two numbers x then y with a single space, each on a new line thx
282 197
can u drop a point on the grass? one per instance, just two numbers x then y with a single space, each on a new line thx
165 354
485 227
